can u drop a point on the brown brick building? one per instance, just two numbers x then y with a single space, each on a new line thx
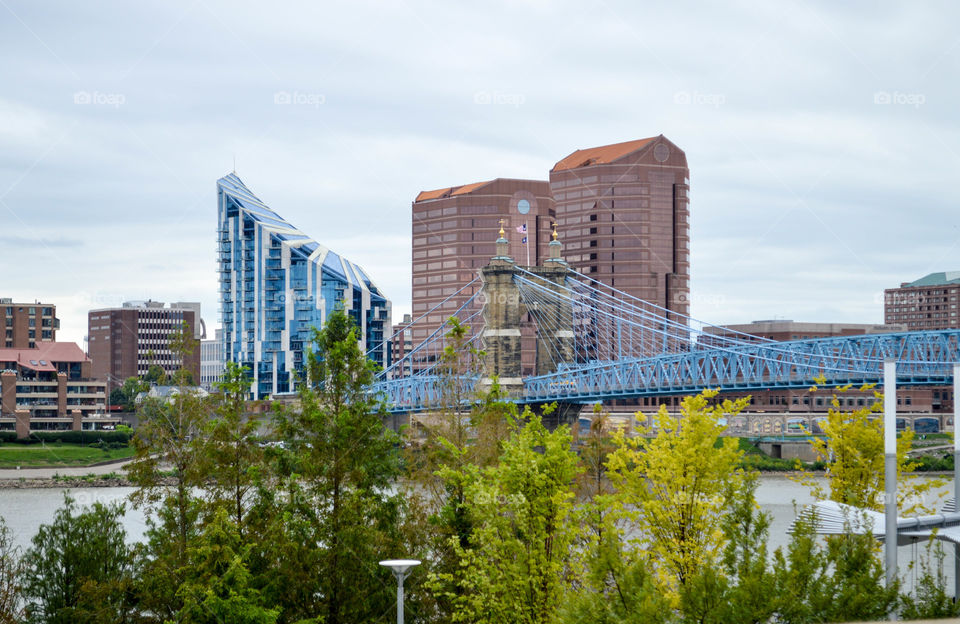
925 304
26 324
454 234
624 218
50 387
124 342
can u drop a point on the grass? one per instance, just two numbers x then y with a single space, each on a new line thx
57 455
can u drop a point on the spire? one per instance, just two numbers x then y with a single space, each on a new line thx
503 245
555 248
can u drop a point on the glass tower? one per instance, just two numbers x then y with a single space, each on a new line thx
276 284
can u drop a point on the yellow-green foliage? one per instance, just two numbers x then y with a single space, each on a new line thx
853 447
671 486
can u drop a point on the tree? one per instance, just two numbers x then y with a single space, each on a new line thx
467 429
520 554
78 568
671 486
169 470
11 570
217 587
339 515
230 448
853 448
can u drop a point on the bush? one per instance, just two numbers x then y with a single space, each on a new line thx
8 436
75 437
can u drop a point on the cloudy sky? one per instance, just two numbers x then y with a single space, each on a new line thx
822 138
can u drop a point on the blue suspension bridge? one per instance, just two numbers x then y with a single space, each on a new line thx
597 343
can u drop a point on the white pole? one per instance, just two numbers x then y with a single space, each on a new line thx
890 466
956 474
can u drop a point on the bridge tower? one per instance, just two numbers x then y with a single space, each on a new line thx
555 329
501 315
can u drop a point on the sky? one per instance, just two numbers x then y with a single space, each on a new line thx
822 137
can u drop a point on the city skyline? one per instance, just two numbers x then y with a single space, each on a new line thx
817 156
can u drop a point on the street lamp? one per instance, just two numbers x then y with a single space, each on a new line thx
401 568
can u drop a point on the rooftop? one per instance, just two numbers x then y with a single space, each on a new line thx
601 155
943 278
450 191
44 356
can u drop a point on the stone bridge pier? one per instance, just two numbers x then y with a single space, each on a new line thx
503 311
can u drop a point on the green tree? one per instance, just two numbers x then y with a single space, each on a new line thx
217 587
169 469
672 486
339 516
231 449
520 559
11 571
78 568
929 599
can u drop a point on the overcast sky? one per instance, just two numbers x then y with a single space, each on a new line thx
822 138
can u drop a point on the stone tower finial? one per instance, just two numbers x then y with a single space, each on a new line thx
555 248
503 245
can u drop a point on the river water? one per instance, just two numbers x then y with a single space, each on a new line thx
24 510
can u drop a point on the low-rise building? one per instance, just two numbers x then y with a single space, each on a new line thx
50 387
211 361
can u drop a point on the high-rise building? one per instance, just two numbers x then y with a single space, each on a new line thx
211 360
26 324
927 303
624 218
277 284
126 341
454 235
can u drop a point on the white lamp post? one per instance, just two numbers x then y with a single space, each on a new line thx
401 568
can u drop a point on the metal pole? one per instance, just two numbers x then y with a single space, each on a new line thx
400 576
956 475
890 465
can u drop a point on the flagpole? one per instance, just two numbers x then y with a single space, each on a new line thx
526 231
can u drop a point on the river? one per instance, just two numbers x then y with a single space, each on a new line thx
24 510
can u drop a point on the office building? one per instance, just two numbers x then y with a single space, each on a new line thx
211 361
925 304
624 218
277 284
50 387
27 324
454 234
126 341
782 330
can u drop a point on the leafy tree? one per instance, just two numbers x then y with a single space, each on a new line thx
338 514
169 468
853 448
930 599
217 587
519 558
78 568
672 485
740 589
11 570
155 375
230 448
467 430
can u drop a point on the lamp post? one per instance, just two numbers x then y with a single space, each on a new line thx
401 568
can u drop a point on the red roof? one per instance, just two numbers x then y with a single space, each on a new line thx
49 352
450 191
600 155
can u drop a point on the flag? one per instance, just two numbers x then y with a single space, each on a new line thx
524 241
522 229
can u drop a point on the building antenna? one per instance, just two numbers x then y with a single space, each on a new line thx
234 163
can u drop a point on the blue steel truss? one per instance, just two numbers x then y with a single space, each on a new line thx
626 348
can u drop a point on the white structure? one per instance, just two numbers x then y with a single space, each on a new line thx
211 361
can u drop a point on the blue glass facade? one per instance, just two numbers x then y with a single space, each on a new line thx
276 284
